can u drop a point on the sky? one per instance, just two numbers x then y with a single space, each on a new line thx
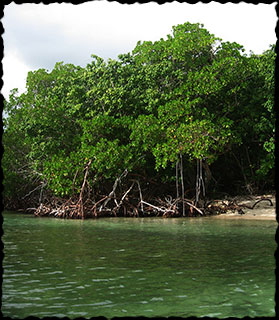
37 35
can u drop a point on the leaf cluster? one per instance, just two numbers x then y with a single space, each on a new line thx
190 94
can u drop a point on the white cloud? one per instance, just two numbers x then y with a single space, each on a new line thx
14 73
38 36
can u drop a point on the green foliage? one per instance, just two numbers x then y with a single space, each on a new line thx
190 94
265 127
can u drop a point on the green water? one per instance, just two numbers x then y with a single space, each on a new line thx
137 267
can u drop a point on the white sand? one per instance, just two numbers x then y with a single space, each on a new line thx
262 211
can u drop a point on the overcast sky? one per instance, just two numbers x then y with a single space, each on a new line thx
37 35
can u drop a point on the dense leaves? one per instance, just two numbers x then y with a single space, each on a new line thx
190 96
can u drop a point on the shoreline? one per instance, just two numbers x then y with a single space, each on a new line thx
262 211
252 207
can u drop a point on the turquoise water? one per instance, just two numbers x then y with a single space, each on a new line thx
137 267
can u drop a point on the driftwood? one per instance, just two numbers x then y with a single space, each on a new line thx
264 199
231 205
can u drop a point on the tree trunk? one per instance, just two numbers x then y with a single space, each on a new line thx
182 185
199 181
176 175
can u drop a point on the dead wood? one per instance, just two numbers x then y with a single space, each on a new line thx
222 206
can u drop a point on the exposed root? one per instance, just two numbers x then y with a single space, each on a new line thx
134 200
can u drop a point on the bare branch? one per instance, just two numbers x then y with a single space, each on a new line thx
112 193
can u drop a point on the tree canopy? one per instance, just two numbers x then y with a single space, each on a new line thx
190 101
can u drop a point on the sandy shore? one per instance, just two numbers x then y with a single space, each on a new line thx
262 211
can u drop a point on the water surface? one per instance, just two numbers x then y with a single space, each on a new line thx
137 267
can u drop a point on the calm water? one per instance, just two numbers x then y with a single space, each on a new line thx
137 267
